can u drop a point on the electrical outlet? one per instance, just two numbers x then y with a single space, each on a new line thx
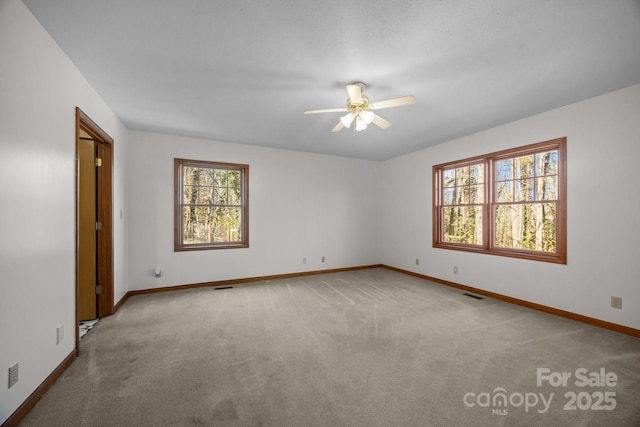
417 261
59 334
304 260
455 269
13 375
322 259
616 302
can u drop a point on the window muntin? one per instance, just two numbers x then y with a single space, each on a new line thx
211 209
510 203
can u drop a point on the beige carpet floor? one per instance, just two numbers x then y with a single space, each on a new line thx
362 348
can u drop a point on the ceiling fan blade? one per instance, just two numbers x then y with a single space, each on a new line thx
395 102
338 127
355 94
327 110
380 122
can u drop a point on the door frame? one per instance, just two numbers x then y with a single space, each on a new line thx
104 212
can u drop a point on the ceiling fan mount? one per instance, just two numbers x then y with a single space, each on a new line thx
359 100
360 111
361 106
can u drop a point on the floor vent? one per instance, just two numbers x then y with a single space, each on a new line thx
217 288
473 296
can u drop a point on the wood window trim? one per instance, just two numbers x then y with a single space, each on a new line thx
487 247
177 229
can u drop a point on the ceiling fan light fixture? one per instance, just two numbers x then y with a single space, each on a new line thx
366 116
360 125
347 119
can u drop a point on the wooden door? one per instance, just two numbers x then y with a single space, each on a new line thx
94 207
87 253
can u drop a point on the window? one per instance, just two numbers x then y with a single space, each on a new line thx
211 205
509 203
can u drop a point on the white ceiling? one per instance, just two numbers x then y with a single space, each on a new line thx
244 71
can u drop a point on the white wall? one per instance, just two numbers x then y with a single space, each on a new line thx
40 89
300 205
603 149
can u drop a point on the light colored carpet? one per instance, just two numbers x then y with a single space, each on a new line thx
362 348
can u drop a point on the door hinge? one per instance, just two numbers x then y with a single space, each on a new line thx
98 290
98 226
98 161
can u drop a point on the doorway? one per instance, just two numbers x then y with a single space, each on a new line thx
94 221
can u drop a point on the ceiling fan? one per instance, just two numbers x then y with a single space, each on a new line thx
361 111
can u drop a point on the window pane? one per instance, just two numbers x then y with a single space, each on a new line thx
195 224
476 173
235 179
547 188
504 169
504 193
189 175
235 195
449 177
524 166
188 193
204 196
206 176
476 194
206 225
220 177
220 196
547 163
225 224
462 176
462 225
524 190
448 195
526 226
